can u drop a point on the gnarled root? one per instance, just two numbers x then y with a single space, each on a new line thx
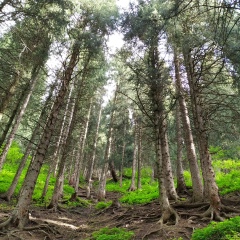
213 213
167 215
6 223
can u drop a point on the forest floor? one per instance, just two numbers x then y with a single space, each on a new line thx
79 223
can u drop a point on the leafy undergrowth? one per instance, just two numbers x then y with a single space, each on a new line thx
227 230
101 205
112 233
147 193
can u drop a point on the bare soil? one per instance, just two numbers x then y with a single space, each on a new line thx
79 223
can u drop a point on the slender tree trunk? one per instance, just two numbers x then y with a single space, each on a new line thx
181 185
123 154
135 155
101 193
8 194
190 146
20 215
92 159
210 186
9 93
18 119
139 186
67 137
166 164
11 118
166 209
80 154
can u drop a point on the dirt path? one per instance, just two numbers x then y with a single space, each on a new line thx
78 223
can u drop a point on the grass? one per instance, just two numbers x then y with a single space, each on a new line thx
112 233
227 230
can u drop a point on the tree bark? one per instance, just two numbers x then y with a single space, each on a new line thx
54 159
7 195
181 185
92 159
66 142
135 154
81 143
18 119
139 185
20 215
188 137
101 193
210 186
10 92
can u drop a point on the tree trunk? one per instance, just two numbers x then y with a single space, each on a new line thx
210 186
10 92
190 146
8 194
79 157
101 193
139 185
18 118
135 155
181 185
66 142
92 159
54 161
11 118
20 215
123 155
166 209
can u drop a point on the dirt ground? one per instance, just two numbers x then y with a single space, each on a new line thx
78 223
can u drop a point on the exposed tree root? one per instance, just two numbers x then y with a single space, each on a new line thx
213 213
167 215
6 223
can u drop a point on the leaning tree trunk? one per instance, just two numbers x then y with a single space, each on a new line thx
8 194
20 215
139 185
166 210
10 92
18 118
123 154
181 185
7 127
92 159
211 188
101 193
79 157
53 166
65 146
188 137
135 155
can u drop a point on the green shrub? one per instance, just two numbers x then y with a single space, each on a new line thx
229 182
101 205
112 233
148 193
227 230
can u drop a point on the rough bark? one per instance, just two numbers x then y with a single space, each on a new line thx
10 92
20 215
210 186
135 155
8 194
67 135
19 117
139 185
11 118
188 137
101 192
80 153
93 157
123 155
181 185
